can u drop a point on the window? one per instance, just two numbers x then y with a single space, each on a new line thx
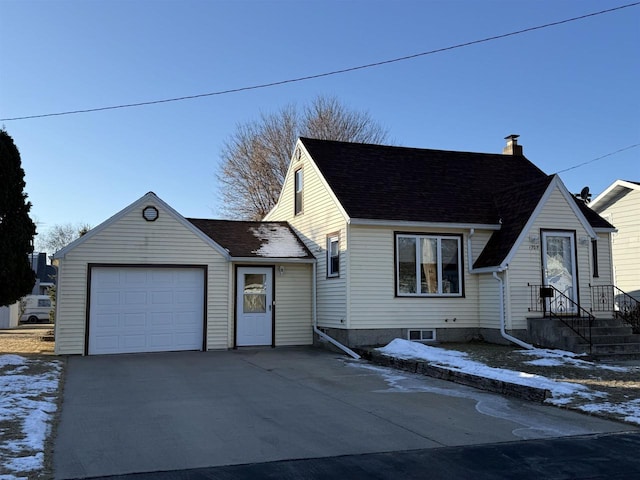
333 256
428 265
298 188
422 335
594 252
44 302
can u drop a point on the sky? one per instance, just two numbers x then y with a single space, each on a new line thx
570 91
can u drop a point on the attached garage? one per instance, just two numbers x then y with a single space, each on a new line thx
150 280
146 309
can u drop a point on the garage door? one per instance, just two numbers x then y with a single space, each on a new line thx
146 309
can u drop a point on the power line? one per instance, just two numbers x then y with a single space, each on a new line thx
325 74
599 158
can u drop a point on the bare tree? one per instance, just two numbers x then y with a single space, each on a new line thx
60 235
255 158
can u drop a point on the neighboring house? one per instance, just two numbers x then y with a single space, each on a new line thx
45 278
620 205
438 245
45 274
149 279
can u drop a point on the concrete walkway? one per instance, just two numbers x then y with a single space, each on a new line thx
159 412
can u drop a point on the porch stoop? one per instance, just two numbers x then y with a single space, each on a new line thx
611 338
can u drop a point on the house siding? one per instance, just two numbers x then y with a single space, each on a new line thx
132 240
623 214
373 301
526 266
293 315
320 217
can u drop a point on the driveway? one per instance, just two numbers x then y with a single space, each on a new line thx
156 412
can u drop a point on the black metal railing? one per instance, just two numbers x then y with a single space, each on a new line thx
555 304
609 298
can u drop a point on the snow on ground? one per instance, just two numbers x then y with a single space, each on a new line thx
562 393
28 389
557 358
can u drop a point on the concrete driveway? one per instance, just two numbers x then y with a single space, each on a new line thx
156 412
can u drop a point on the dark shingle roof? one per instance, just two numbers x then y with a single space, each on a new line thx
515 206
254 239
398 183
380 182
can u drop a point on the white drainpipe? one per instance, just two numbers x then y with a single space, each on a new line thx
321 334
502 319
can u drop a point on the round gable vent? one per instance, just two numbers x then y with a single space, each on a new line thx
150 213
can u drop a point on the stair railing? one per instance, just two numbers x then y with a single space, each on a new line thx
609 298
555 304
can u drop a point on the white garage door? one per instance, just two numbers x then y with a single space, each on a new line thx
146 309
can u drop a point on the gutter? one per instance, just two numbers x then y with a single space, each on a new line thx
314 313
503 332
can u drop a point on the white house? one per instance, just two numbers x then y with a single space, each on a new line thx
619 203
366 243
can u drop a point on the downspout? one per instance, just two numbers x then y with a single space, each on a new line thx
502 319
469 252
314 313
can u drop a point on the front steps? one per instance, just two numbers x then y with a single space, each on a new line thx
612 338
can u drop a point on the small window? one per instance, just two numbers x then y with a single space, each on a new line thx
298 188
44 302
594 253
428 265
333 256
422 335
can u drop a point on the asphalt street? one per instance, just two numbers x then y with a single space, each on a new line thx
609 456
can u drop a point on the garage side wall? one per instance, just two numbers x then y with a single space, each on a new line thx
132 240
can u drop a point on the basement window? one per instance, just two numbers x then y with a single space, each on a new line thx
422 335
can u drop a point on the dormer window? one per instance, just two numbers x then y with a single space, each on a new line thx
298 192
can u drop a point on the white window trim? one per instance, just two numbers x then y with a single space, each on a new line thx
421 339
297 184
439 239
331 239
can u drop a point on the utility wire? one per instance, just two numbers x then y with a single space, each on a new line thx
326 74
599 158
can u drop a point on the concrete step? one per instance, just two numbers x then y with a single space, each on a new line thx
615 348
614 339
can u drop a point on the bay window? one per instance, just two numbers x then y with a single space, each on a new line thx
428 265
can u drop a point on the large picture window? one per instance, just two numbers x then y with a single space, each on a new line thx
428 265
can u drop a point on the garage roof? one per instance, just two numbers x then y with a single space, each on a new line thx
254 239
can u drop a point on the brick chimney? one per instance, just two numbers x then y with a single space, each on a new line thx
512 147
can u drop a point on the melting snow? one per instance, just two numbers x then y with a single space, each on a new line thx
563 392
278 242
556 358
28 401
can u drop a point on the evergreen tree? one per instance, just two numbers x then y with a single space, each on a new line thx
16 228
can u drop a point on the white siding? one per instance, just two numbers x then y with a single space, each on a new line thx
132 240
624 214
373 301
526 265
605 267
293 305
320 217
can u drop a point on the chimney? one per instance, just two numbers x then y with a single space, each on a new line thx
512 147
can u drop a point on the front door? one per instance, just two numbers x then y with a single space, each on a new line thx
254 317
559 266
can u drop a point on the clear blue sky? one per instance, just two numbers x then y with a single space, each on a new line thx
570 91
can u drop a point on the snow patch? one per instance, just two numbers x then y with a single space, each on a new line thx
278 242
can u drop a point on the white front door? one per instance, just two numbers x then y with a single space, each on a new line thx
559 264
254 317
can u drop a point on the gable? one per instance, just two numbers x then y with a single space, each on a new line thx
129 235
